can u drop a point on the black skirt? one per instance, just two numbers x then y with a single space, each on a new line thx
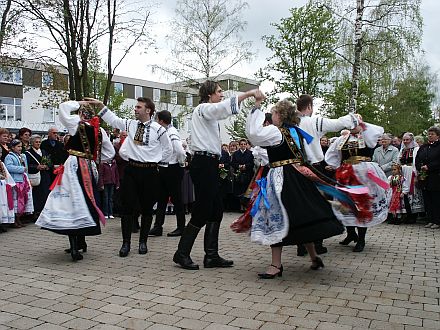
310 215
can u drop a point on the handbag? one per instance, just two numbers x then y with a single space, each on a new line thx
34 179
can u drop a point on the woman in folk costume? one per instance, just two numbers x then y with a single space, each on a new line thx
290 209
412 196
350 155
71 208
7 214
16 163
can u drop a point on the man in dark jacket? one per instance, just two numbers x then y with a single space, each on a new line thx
54 148
243 165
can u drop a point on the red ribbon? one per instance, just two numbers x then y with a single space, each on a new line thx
95 123
59 172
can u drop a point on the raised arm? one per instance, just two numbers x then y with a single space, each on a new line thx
325 125
68 120
258 134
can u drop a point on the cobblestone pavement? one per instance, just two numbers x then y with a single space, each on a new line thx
393 284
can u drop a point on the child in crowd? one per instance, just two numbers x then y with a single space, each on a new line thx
396 182
16 164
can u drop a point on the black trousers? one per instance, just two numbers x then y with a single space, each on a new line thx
431 199
208 205
170 186
139 191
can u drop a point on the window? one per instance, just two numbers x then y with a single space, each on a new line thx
118 87
173 99
189 100
10 108
188 123
11 76
46 80
156 95
235 85
138 92
176 123
49 115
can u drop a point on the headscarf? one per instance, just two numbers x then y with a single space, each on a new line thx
412 144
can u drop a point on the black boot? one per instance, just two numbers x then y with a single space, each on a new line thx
126 226
320 249
180 224
212 258
157 229
360 245
351 236
73 240
143 235
82 245
182 255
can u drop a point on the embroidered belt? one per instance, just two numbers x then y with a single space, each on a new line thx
135 163
285 162
356 160
80 154
208 154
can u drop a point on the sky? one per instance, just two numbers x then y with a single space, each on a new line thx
258 16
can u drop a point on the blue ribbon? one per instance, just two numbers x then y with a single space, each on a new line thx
262 193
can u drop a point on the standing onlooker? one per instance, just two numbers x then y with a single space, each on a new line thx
243 164
6 207
16 164
108 182
420 140
54 148
387 155
4 141
24 135
428 167
38 162
397 142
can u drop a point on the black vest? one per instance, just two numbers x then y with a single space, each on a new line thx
84 143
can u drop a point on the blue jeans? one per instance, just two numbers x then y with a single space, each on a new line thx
107 203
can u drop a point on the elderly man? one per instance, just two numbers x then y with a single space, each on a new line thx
54 148
386 155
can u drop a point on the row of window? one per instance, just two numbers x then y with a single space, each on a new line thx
10 109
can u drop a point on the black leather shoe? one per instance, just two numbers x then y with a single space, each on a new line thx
348 240
143 248
156 231
317 263
185 261
320 249
125 249
359 247
217 261
77 256
267 276
175 233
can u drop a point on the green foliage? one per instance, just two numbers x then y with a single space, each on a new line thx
303 51
237 127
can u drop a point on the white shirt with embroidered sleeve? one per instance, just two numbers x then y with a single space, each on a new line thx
205 134
156 146
260 135
67 119
317 127
179 154
107 149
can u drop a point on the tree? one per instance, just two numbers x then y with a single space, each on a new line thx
387 36
303 51
206 40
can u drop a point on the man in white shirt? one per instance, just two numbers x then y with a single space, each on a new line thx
317 127
171 176
146 145
206 147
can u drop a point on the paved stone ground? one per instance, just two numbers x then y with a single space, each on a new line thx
393 284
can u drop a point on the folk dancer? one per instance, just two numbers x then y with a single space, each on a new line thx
146 145
171 176
204 169
72 206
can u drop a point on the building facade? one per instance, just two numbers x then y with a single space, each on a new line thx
29 95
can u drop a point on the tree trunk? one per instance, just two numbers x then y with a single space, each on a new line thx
357 57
